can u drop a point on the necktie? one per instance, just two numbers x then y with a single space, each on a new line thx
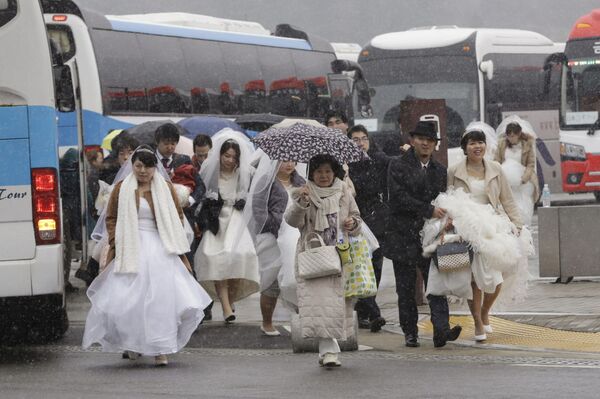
165 163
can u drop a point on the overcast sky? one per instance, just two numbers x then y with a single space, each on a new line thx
358 21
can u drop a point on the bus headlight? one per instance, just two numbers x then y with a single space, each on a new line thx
572 152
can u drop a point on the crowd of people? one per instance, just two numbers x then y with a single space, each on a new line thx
175 233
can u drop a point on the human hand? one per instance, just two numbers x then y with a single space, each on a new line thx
349 224
438 213
303 193
449 226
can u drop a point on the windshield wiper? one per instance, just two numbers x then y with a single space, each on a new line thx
595 126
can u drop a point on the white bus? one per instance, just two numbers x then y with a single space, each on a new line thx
32 296
134 68
482 74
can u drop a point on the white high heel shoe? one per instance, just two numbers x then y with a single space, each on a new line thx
487 328
480 338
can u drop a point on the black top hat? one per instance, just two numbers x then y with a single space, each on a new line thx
425 129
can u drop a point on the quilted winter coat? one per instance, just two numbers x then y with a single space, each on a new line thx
324 311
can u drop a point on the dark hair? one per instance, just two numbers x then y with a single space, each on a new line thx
475 135
145 154
335 113
168 131
122 142
319 160
202 140
357 128
513 127
229 144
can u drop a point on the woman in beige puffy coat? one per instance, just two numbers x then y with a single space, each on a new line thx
486 183
326 206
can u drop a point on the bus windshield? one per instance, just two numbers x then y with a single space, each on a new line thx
580 97
453 78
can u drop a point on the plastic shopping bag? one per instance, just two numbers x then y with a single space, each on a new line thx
359 276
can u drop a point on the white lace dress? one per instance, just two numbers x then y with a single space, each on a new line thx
522 193
229 255
486 278
152 312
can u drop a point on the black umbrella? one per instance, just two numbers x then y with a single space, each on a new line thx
144 132
300 142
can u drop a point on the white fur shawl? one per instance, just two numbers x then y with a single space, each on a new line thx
488 233
170 228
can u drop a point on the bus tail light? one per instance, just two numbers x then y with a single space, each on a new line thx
46 209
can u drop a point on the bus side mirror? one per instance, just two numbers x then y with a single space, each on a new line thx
360 84
487 67
551 61
63 84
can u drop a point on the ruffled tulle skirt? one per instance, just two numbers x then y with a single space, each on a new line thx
154 311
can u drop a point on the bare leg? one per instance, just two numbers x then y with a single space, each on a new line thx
475 307
223 294
488 301
267 307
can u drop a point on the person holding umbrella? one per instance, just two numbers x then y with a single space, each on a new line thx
166 138
324 206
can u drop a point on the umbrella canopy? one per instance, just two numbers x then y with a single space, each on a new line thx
208 125
270 119
144 132
300 142
107 140
185 146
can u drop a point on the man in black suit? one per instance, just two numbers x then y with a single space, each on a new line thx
414 181
166 138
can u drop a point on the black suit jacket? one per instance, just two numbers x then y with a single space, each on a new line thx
411 190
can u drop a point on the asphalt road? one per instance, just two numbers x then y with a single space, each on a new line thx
68 372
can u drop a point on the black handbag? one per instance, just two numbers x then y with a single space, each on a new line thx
453 256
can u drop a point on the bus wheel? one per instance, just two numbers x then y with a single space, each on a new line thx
597 195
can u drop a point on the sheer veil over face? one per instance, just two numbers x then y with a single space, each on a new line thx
211 168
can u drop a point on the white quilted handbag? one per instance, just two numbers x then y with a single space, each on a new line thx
318 261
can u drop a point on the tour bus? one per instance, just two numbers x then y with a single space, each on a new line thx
32 296
580 107
482 74
130 69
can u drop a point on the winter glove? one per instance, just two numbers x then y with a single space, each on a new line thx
240 204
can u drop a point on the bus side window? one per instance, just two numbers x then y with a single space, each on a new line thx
8 10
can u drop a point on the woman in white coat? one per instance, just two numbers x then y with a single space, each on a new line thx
325 205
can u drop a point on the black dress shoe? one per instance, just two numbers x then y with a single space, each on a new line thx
207 314
440 338
377 323
412 340
364 324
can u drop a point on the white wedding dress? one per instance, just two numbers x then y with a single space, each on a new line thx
522 193
229 255
152 312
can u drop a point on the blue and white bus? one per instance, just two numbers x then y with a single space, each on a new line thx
32 299
135 68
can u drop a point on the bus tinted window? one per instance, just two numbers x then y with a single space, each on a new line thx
120 67
204 63
518 83
63 37
285 91
8 10
309 66
167 79
242 66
